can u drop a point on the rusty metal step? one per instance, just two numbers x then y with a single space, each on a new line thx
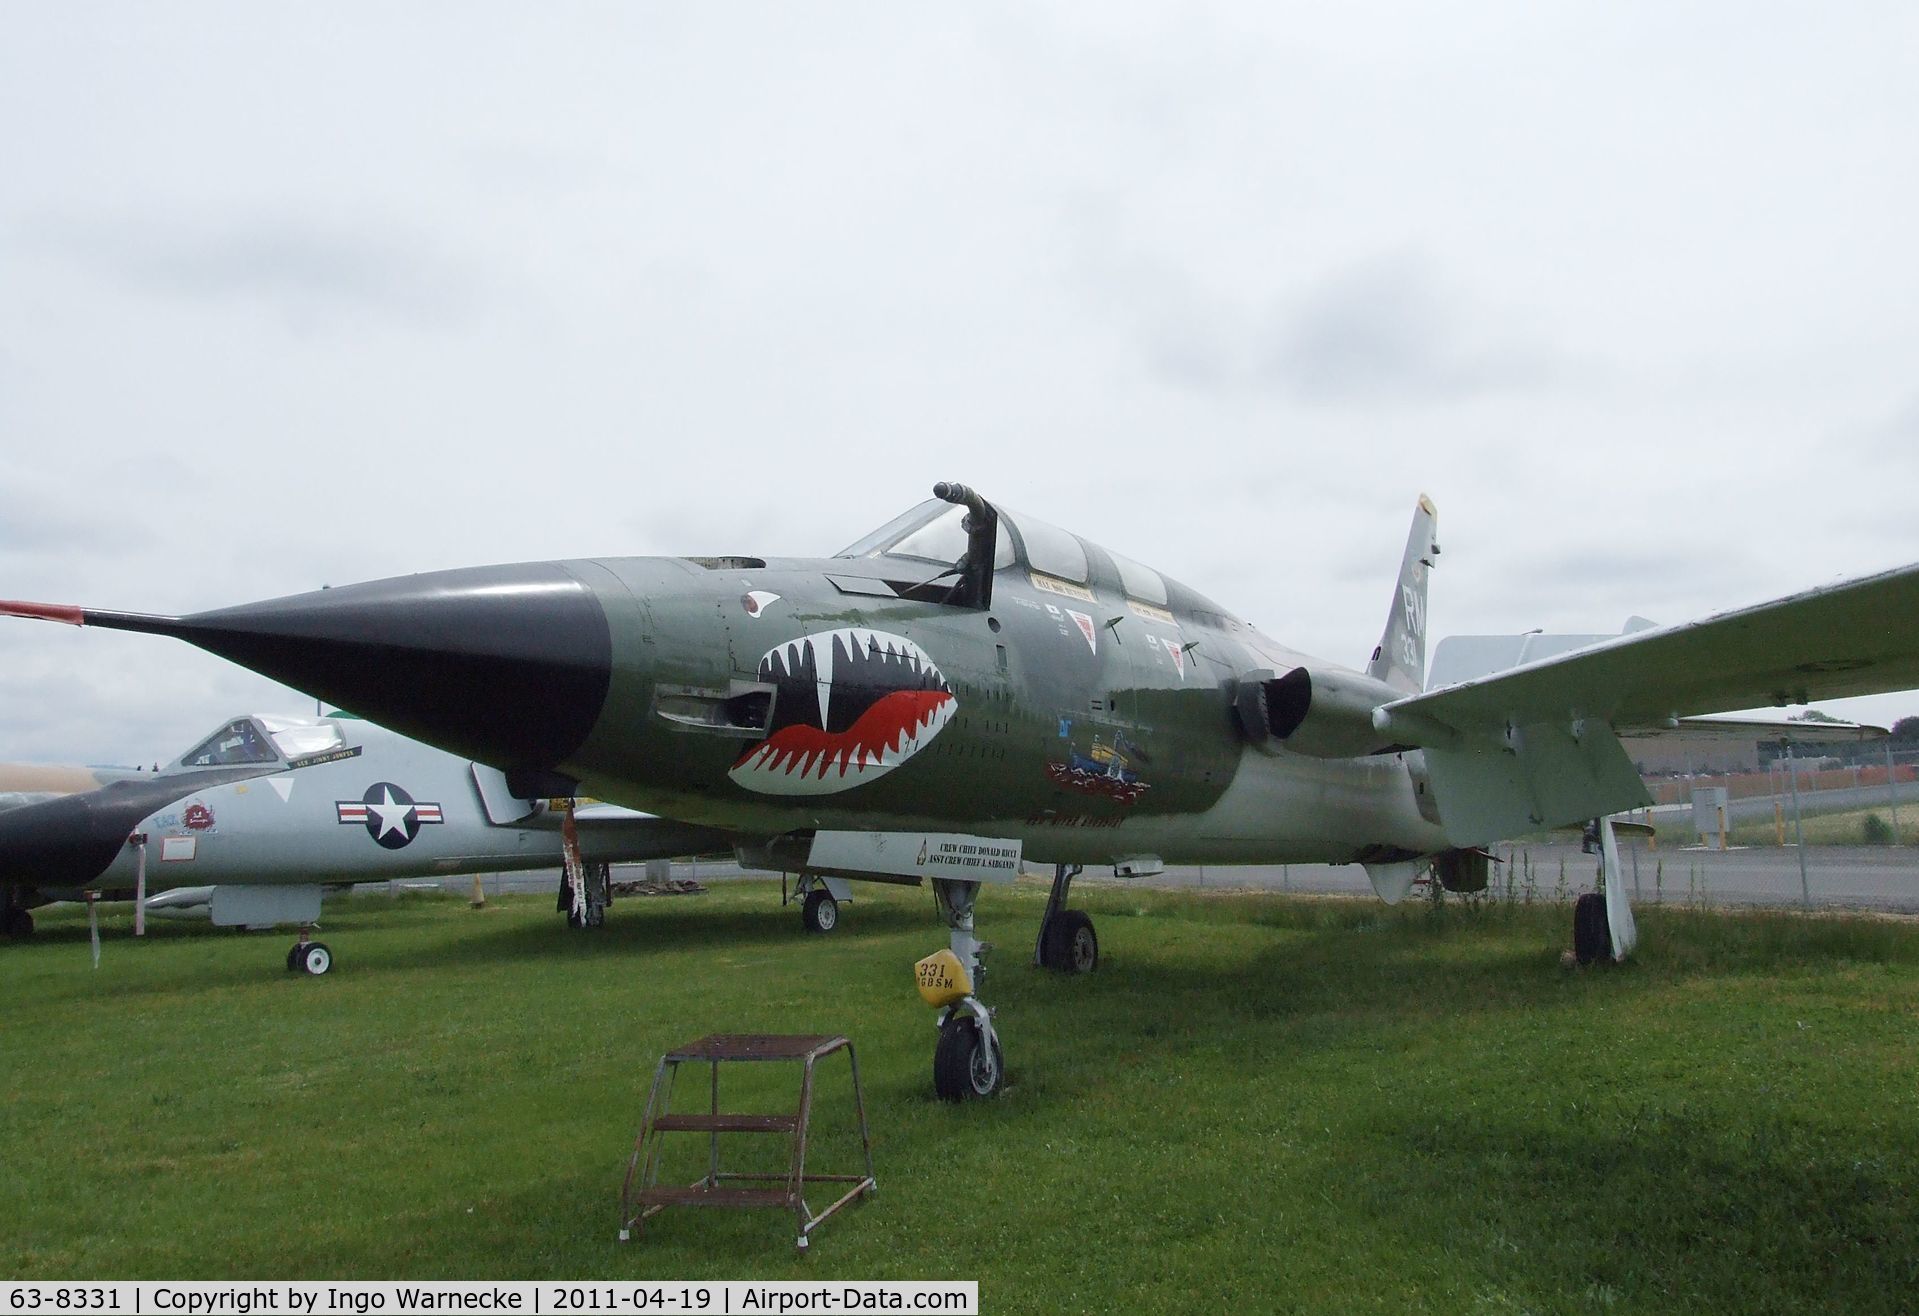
706 1195
756 1046
693 1123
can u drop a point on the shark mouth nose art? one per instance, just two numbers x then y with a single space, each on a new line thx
852 705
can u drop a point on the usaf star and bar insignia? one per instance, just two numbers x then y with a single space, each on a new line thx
391 816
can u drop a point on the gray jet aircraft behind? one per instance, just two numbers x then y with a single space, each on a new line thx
265 811
967 687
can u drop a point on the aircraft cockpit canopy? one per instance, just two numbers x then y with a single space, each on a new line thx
297 737
263 739
935 531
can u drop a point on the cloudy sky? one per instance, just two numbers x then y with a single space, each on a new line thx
297 294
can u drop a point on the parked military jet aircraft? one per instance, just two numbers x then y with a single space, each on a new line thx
266 810
968 686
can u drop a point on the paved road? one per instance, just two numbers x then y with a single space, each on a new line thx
1837 876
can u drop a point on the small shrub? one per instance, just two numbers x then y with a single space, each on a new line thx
1876 830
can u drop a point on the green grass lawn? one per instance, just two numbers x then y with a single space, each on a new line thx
1284 1103
1845 827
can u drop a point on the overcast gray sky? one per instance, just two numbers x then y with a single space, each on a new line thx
296 294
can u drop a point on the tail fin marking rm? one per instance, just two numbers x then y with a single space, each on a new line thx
1400 659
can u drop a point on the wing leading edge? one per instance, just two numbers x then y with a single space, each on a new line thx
1538 745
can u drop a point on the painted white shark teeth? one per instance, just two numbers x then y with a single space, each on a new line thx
817 772
822 672
855 639
813 761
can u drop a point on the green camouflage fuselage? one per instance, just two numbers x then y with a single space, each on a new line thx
1085 724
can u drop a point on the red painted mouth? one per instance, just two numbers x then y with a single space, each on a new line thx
884 736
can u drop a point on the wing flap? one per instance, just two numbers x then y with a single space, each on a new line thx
1748 729
1538 777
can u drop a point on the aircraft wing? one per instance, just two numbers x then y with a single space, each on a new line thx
1538 745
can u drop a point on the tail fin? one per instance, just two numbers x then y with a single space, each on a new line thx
1400 659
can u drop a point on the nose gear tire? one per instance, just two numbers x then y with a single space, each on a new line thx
963 1067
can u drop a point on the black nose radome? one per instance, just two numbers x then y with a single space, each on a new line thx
70 841
508 665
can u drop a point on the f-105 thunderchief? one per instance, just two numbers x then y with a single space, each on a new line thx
968 688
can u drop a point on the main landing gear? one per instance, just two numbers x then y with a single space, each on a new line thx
15 921
820 913
1066 941
309 956
820 899
585 893
585 889
1603 927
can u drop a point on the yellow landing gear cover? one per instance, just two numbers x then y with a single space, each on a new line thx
942 979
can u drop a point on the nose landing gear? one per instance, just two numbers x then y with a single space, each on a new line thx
968 1061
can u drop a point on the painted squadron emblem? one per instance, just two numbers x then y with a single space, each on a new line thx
851 705
389 814
1109 771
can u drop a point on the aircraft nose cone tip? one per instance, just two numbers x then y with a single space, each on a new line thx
61 843
508 664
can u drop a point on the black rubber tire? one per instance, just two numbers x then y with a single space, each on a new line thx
293 957
820 913
961 1072
1070 944
1048 945
1592 933
317 959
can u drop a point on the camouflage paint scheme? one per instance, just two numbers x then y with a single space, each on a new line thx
1030 691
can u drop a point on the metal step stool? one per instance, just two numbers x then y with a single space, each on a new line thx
641 1196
